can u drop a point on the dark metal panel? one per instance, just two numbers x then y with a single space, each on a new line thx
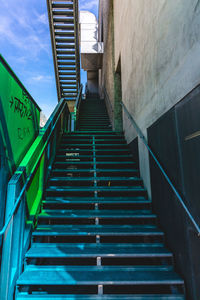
175 138
188 121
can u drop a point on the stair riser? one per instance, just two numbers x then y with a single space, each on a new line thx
85 173
66 152
105 261
101 221
80 136
103 239
127 206
82 193
90 165
107 289
72 158
89 141
103 183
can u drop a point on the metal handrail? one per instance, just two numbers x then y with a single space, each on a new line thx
77 103
139 132
44 130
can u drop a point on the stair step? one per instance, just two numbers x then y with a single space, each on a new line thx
65 179
88 254
96 213
111 216
96 145
62 12
99 199
65 163
97 133
90 202
60 156
98 275
90 191
100 297
133 171
104 230
89 140
83 136
97 250
99 152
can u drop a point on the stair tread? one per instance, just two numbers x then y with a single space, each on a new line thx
98 170
97 162
96 178
98 200
93 230
96 144
101 297
95 213
94 250
97 156
94 188
95 275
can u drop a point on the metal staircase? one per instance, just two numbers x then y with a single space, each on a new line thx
96 236
63 22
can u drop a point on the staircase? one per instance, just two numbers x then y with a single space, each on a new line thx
63 25
96 236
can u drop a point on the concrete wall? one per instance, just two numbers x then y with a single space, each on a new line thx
106 77
158 43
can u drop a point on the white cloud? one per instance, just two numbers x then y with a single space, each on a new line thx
88 4
20 29
43 78
43 19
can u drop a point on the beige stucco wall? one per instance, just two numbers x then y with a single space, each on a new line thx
158 42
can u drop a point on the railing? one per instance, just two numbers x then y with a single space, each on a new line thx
75 114
145 142
24 195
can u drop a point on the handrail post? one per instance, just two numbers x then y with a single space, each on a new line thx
12 253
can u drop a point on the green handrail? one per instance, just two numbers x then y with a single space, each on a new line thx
44 137
25 190
76 108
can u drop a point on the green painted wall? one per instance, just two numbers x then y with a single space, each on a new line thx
19 115
19 126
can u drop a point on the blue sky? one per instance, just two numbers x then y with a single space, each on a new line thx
25 44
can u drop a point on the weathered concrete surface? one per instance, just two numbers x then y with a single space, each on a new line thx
106 78
110 77
159 45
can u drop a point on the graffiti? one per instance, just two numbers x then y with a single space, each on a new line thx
19 107
23 133
25 97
